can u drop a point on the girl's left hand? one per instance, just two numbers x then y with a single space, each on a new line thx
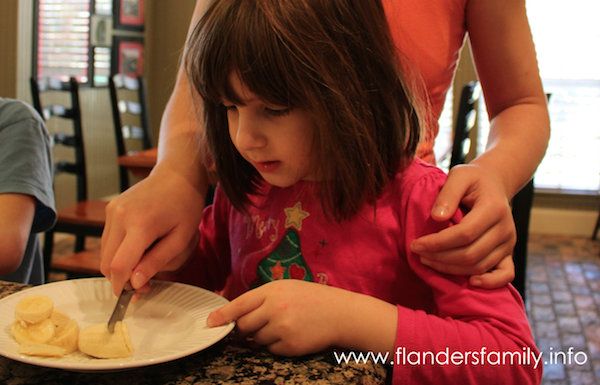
483 239
290 317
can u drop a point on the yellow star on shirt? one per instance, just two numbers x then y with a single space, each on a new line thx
294 216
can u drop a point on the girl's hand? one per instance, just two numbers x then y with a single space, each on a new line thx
293 318
290 317
485 237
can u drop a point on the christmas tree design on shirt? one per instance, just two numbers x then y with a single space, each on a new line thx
286 260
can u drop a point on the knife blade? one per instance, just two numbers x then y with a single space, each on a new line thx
120 307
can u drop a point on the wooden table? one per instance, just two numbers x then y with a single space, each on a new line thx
230 361
140 163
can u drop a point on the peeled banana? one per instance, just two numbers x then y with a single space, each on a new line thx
66 337
42 350
44 331
38 333
53 335
97 341
59 318
34 309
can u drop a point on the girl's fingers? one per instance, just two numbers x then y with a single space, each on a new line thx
237 308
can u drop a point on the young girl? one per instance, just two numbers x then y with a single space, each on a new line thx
313 132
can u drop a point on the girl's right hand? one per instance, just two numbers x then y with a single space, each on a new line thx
149 228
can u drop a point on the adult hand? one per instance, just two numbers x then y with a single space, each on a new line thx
485 236
151 227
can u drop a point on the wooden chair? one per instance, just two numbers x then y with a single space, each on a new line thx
122 89
84 218
521 202
128 96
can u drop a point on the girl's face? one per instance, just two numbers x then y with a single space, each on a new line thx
276 140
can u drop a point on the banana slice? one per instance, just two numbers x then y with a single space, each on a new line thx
31 334
42 350
33 309
66 337
59 318
97 341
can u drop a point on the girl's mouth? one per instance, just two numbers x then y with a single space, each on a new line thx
268 166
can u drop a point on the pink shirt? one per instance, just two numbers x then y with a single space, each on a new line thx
286 236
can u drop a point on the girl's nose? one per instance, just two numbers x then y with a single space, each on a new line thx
248 135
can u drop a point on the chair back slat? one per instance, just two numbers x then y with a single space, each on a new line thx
133 132
72 113
129 107
122 103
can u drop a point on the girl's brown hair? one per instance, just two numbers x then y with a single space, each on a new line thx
333 58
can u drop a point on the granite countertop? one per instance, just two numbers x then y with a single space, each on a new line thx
228 362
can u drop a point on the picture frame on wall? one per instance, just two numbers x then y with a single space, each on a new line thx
129 15
127 55
100 30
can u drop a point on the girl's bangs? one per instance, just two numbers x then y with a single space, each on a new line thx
249 44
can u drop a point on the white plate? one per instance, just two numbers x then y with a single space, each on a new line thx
166 324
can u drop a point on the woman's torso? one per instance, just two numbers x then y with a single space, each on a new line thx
430 34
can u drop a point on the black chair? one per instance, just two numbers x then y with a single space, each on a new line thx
521 202
84 218
465 121
122 89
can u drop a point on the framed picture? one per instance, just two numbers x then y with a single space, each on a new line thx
129 14
101 31
127 55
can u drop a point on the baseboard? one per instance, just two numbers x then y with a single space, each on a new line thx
561 221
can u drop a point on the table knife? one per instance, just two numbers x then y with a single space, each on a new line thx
121 307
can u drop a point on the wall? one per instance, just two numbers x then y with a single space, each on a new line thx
8 48
166 33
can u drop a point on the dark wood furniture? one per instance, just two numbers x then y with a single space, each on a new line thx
86 217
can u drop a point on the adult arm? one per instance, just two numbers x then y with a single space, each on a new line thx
17 212
151 225
505 59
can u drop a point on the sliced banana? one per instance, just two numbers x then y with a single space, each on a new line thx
97 341
59 318
42 350
66 336
44 331
38 333
34 308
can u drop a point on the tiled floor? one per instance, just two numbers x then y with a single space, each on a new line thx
563 303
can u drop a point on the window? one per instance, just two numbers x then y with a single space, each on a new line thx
567 40
443 141
62 45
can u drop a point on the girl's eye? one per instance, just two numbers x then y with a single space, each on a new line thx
279 112
229 107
